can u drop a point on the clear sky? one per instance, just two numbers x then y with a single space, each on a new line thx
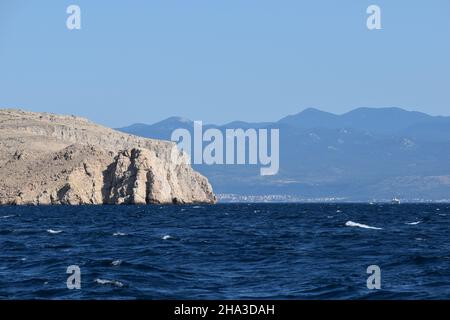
222 60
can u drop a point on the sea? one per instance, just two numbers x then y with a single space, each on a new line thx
226 251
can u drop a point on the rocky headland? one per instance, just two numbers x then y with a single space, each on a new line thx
48 159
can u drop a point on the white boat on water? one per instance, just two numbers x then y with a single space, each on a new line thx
395 201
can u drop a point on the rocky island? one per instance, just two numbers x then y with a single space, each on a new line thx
48 159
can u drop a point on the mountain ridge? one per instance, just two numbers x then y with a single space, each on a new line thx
314 118
363 154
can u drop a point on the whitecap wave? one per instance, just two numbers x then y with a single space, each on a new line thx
360 225
413 223
167 237
6 217
196 207
109 282
116 262
119 234
51 231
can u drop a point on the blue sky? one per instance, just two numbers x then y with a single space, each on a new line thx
222 60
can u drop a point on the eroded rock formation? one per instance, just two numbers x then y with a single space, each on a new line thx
52 159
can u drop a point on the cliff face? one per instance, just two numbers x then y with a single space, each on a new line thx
52 159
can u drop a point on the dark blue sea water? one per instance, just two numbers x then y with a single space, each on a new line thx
228 251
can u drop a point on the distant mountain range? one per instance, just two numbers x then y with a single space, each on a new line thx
365 154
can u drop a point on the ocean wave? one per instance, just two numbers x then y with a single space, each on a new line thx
145 263
413 223
109 282
360 225
51 231
6 217
167 237
119 234
116 262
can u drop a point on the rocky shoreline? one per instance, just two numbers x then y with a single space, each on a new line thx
48 159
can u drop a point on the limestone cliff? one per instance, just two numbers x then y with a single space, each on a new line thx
53 159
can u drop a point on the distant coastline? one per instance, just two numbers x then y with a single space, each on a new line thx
274 198
364 154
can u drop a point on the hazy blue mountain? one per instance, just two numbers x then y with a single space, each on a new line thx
435 129
382 120
361 155
159 130
376 120
312 118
